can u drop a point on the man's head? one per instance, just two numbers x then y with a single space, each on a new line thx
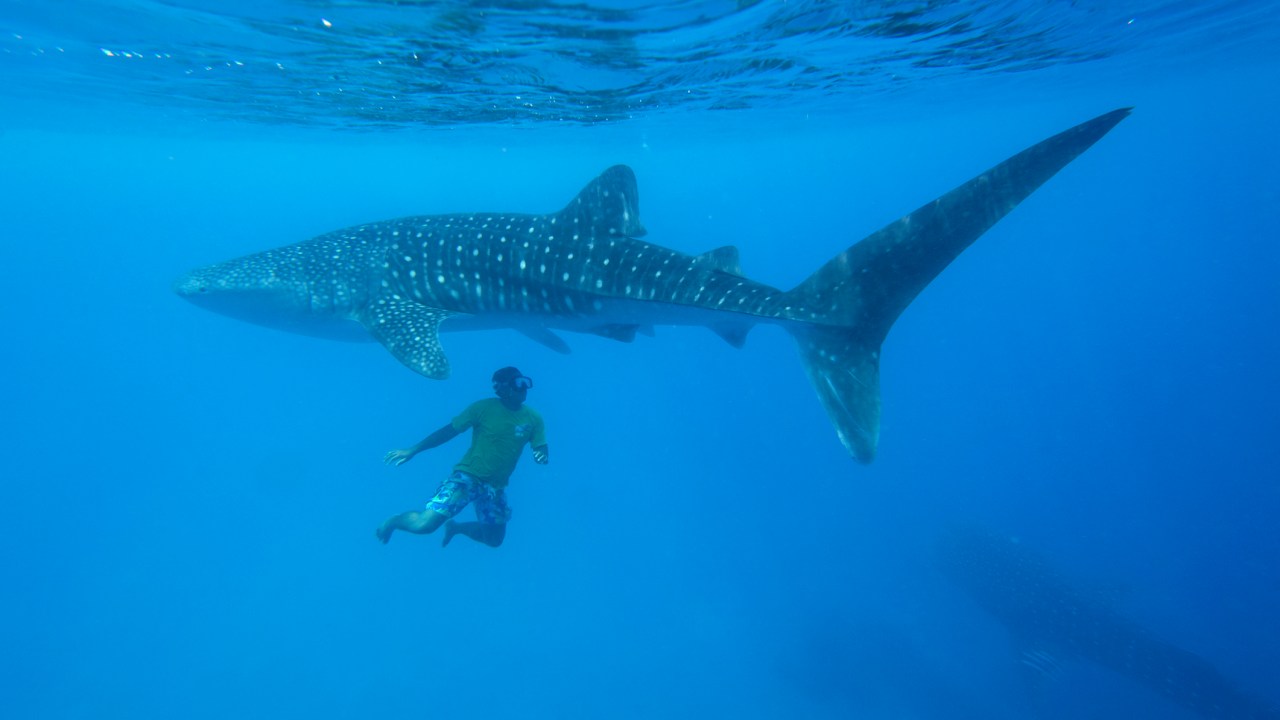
511 385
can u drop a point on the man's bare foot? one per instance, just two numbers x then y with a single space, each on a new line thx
384 532
450 529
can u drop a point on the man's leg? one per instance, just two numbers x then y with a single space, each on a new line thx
492 511
421 523
452 495
490 534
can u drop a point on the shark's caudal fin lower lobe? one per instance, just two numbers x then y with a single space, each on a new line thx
847 307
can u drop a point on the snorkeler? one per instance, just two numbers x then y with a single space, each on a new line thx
500 429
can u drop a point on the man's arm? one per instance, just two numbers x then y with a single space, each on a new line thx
435 439
539 441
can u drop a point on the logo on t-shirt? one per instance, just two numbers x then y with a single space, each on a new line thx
522 431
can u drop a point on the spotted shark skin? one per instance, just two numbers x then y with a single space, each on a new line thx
585 269
1055 621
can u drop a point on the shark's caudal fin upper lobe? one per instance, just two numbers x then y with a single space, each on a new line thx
861 291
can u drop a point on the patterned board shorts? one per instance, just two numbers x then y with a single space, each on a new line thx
462 489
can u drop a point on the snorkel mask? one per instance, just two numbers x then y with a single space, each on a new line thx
512 378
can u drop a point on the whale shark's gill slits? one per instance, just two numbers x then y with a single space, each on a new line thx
317 272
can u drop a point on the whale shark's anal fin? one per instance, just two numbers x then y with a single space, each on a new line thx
733 333
410 331
846 308
622 332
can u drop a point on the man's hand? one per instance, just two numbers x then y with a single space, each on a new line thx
540 455
396 458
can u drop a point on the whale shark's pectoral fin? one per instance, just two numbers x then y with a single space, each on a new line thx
410 331
543 336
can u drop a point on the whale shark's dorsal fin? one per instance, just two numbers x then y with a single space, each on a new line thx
608 206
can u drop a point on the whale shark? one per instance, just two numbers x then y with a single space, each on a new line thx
1052 620
585 269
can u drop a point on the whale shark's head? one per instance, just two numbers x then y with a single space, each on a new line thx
259 289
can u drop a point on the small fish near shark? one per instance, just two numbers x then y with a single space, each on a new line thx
584 269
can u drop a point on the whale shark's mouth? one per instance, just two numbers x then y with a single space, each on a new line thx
190 285
275 308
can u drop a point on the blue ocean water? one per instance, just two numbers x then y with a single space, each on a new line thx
190 501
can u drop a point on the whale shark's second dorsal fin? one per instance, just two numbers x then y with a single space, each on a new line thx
608 206
725 259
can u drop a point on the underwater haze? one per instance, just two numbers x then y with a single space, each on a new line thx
1089 390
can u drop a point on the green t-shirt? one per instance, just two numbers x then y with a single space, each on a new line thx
497 437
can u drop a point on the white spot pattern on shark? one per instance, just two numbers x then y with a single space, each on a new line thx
585 269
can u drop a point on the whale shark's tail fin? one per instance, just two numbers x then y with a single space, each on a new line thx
845 309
